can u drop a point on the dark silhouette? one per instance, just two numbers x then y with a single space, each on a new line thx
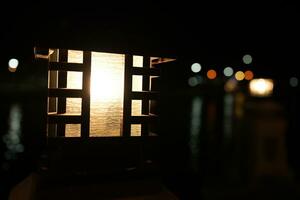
192 159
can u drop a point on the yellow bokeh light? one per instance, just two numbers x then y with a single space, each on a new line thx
239 75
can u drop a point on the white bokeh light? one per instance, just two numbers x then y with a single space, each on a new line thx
13 63
294 81
228 71
261 87
247 59
193 81
196 67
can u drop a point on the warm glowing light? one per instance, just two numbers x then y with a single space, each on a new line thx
239 75
137 61
196 67
228 71
136 107
136 129
247 59
137 81
249 75
230 85
105 84
261 87
211 74
13 64
293 81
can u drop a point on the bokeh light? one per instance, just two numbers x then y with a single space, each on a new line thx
196 67
193 81
247 59
228 71
230 85
211 74
239 75
13 63
261 87
293 81
249 75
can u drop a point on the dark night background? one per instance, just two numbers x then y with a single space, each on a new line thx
210 32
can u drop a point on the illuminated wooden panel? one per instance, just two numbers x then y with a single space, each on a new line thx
136 130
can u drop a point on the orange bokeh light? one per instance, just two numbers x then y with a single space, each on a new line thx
211 74
249 75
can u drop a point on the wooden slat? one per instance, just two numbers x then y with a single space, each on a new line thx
126 128
54 56
64 119
145 102
142 119
52 103
158 61
145 71
62 83
86 99
64 92
145 95
66 66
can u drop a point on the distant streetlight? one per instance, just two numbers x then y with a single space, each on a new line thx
13 63
261 87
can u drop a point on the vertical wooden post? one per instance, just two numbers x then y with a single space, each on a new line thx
86 99
52 81
145 102
41 64
62 83
126 128
52 102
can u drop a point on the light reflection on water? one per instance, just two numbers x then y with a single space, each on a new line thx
13 137
195 124
228 112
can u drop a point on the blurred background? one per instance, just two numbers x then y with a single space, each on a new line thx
229 102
